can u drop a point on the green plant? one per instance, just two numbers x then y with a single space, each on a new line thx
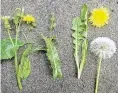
52 22
80 27
10 46
104 48
24 67
53 56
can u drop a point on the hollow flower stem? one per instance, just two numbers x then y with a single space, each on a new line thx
16 57
98 74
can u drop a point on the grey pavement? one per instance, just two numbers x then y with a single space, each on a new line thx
40 80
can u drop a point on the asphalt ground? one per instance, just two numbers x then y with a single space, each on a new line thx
40 80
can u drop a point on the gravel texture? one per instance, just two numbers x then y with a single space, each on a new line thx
40 80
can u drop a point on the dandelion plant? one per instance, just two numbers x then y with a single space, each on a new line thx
104 48
80 28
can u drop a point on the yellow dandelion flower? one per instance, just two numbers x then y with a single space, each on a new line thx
28 18
99 17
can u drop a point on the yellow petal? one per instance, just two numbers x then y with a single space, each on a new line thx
28 18
99 17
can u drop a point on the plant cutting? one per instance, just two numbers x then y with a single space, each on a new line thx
103 48
80 28
53 56
11 45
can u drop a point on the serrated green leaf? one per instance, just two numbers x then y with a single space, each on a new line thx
84 12
7 49
76 22
79 26
24 67
53 57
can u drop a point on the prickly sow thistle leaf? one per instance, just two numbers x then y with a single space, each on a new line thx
24 68
7 49
79 26
53 57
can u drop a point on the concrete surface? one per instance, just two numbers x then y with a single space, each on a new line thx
40 80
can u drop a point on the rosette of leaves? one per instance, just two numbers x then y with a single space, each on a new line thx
53 56
79 26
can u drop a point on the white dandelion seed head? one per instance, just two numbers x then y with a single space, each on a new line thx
103 46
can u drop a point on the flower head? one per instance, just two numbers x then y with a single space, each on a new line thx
103 46
28 18
6 22
5 17
99 17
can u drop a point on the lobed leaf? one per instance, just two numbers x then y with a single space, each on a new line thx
79 26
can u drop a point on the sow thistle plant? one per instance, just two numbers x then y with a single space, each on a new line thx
80 27
104 48
51 51
53 56
11 45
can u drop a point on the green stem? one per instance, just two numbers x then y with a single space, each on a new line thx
16 63
19 83
16 67
10 37
17 30
16 36
16 59
98 74
25 37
